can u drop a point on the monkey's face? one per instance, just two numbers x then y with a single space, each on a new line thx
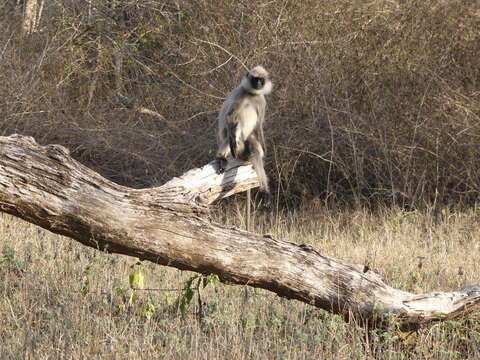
257 82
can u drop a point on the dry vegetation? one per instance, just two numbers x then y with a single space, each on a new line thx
385 92
61 300
375 102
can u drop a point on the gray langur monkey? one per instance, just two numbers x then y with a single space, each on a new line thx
240 124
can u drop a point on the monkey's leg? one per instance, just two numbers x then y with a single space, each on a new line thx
238 137
222 153
233 138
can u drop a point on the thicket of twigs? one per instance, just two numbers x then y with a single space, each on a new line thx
373 100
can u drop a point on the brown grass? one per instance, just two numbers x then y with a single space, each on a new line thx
59 299
387 92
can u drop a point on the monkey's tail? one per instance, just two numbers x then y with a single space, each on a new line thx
265 198
257 163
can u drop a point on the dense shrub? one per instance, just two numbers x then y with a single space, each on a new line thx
373 100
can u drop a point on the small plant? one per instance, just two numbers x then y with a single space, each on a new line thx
136 281
189 291
9 260
87 275
148 309
86 281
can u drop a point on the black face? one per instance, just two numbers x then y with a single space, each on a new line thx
257 82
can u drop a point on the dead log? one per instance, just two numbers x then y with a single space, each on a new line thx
167 225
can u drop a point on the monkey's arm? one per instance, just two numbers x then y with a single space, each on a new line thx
223 151
232 138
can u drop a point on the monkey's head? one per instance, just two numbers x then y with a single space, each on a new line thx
257 81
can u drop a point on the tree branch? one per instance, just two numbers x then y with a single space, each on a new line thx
45 186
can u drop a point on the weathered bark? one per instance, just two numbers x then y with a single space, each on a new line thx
45 186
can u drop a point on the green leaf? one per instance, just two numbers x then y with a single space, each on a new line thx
86 287
148 309
185 300
188 283
133 298
119 291
209 279
136 280
187 295
454 324
168 298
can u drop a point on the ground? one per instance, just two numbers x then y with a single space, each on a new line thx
59 299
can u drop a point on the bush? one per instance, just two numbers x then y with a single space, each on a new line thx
373 101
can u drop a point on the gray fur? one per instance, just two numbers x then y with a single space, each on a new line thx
240 124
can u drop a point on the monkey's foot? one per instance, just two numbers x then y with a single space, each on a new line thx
222 165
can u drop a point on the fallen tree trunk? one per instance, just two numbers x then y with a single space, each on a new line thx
167 225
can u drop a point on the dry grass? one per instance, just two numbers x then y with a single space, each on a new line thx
61 300
386 91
